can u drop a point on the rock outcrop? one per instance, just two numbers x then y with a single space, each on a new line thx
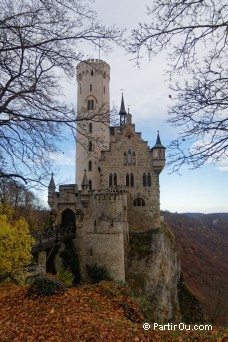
153 272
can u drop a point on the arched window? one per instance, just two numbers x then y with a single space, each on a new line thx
127 179
132 179
90 184
90 104
133 158
139 202
149 179
90 165
110 179
144 179
90 127
115 179
125 158
129 157
90 146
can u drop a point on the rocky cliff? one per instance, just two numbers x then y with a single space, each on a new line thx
153 272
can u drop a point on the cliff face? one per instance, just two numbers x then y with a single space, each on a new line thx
153 271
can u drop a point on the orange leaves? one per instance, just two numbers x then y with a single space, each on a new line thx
86 313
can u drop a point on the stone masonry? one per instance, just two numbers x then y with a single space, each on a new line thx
117 175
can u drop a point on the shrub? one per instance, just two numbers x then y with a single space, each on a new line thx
66 276
44 286
97 273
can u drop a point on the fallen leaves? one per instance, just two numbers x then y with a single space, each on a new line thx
102 312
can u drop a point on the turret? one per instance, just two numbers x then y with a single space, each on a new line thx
158 155
93 113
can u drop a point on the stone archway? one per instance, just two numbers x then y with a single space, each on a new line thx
68 218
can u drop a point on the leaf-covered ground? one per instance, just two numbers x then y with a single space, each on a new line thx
102 312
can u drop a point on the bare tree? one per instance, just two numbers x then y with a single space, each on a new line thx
194 33
40 43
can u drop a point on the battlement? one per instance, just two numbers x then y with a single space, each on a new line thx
97 66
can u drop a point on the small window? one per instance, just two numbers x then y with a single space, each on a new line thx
160 153
90 87
80 87
90 104
144 179
115 179
110 179
90 165
90 146
90 127
90 184
149 179
132 179
127 179
91 72
104 89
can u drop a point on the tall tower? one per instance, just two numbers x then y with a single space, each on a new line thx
93 114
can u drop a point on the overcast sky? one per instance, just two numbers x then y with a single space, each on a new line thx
146 92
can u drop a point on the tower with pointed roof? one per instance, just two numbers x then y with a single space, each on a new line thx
117 191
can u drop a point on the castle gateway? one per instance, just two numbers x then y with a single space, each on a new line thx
117 178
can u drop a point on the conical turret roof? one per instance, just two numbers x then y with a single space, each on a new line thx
158 142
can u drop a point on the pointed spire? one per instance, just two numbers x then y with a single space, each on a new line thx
122 112
52 182
122 107
158 142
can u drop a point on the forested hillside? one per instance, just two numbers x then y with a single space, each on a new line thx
202 243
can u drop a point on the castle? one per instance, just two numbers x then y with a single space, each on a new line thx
117 178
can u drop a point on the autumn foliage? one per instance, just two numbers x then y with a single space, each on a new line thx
15 242
101 312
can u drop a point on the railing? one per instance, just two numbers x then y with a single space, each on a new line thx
52 237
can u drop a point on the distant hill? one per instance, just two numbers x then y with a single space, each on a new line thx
202 243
